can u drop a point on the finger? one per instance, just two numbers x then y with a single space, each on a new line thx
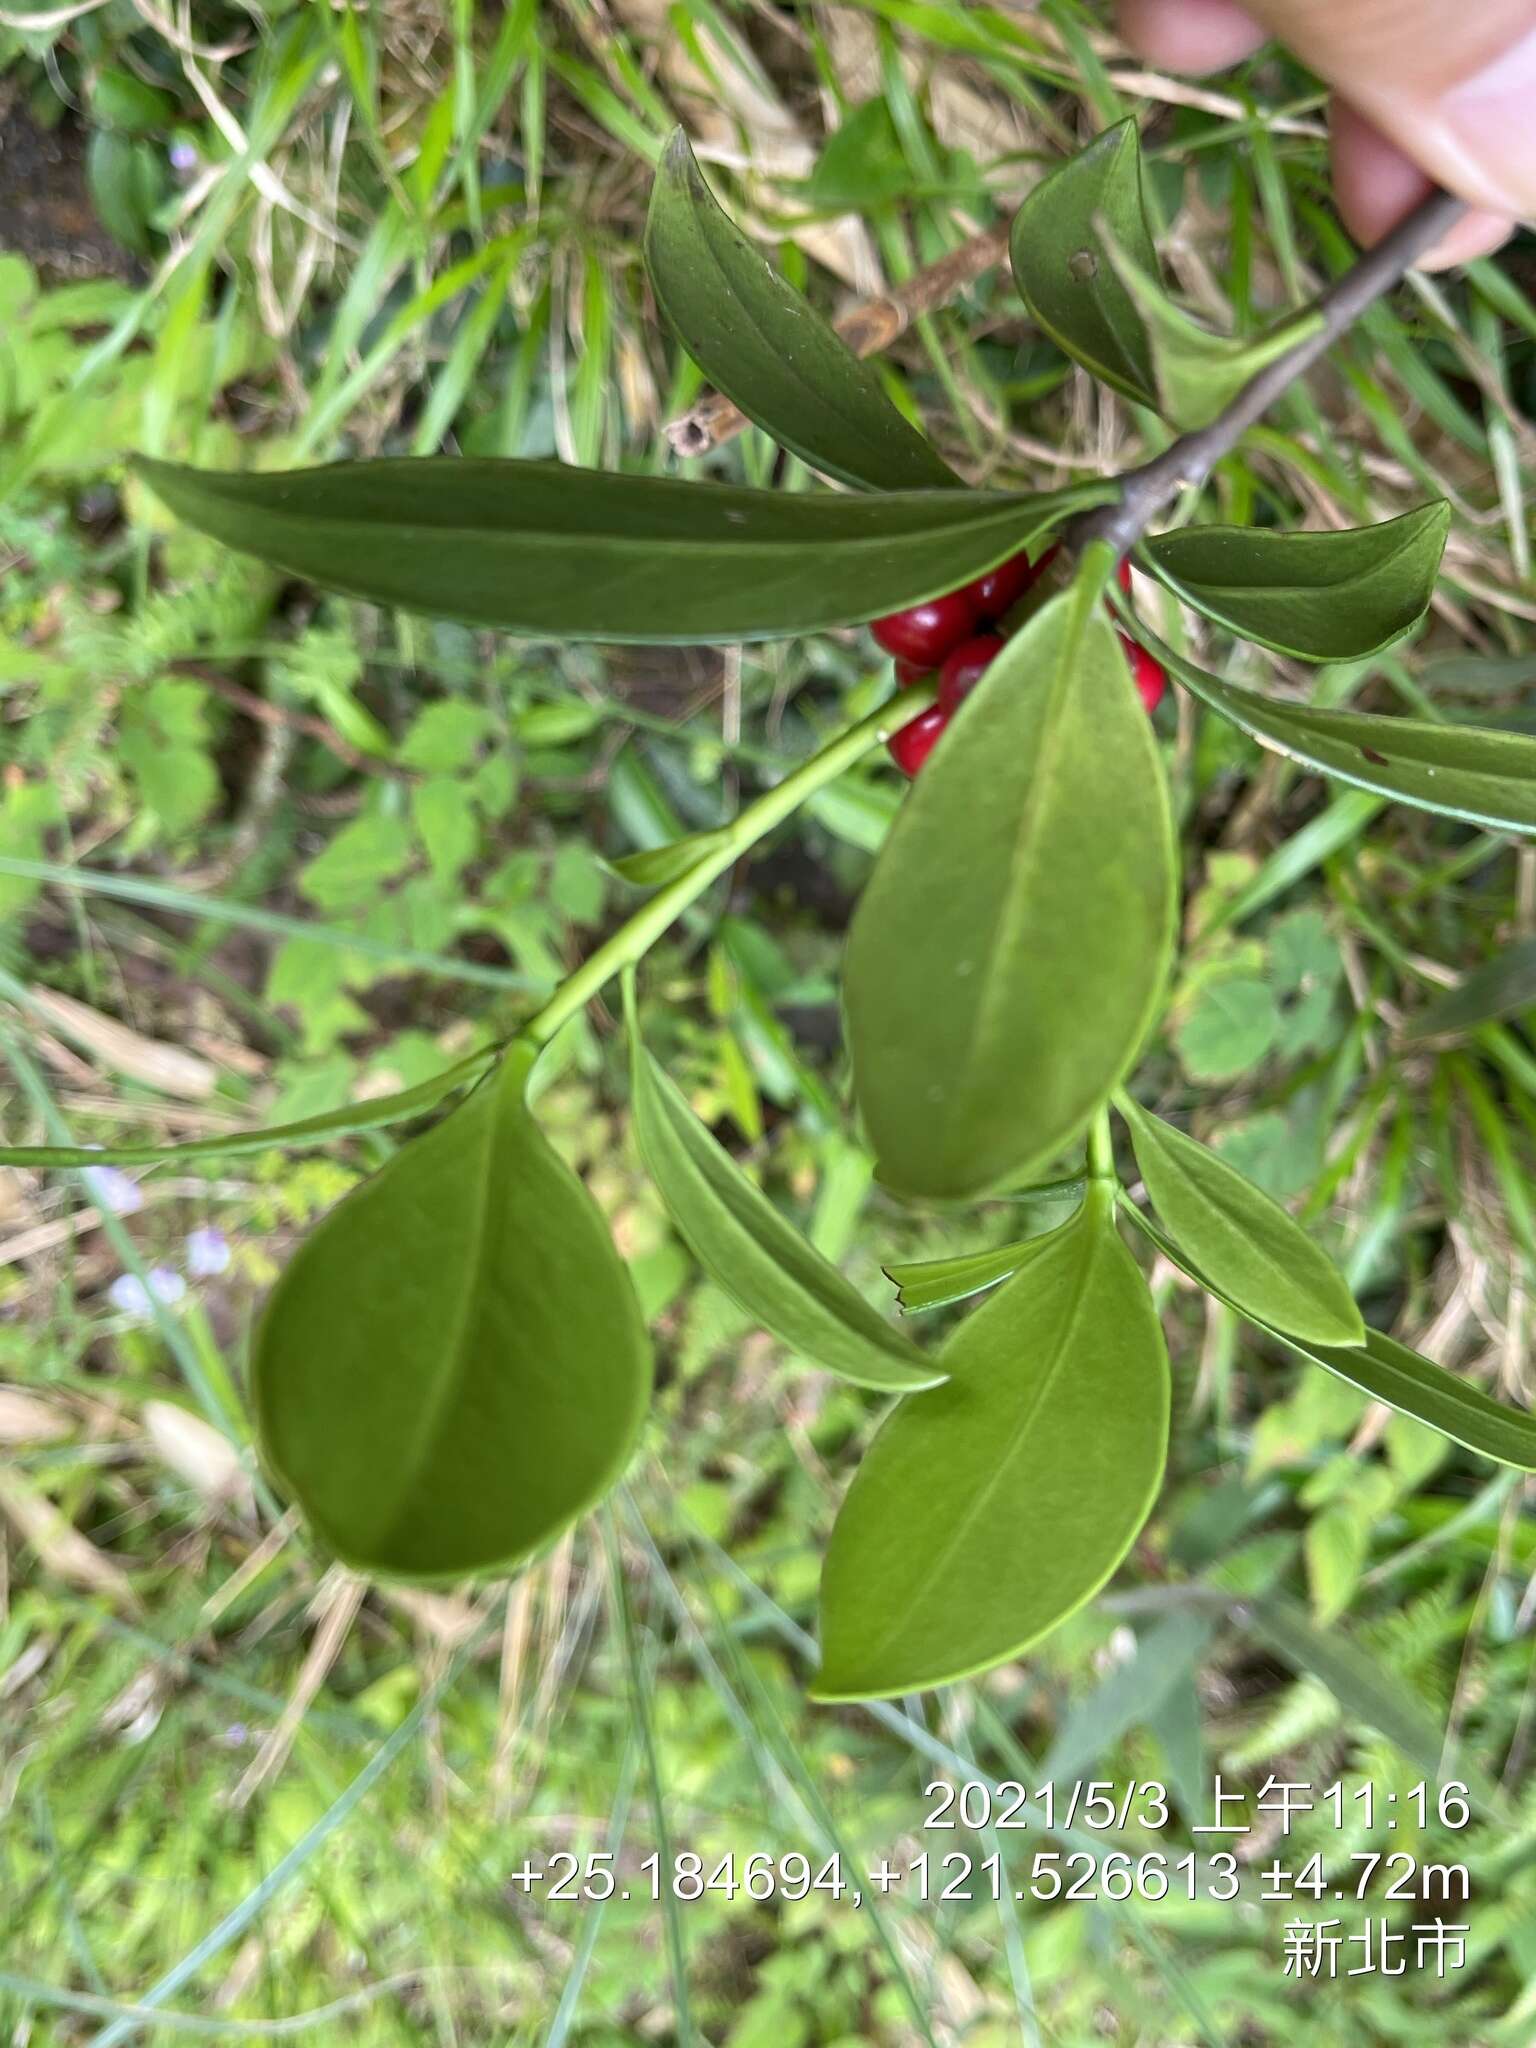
1454 86
1190 35
1376 185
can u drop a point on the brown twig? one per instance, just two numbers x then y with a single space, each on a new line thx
868 327
268 713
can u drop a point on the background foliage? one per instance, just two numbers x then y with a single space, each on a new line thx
261 852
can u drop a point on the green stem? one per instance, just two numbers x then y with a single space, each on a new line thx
1101 1151
632 941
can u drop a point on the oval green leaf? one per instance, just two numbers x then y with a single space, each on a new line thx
1063 269
1459 771
986 1512
1010 951
1262 1261
1320 596
454 1366
747 1248
770 352
373 1115
543 549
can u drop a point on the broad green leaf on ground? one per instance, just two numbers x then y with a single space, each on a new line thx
1197 374
1322 596
987 1511
544 549
770 352
747 1248
935 1283
1251 1249
1063 269
654 866
1229 1028
1459 771
453 1365
373 1115
1501 987
1010 951
1388 1371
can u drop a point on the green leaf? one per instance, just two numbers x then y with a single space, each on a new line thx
1390 1372
747 1248
1250 1248
542 549
935 1283
1501 987
1231 1027
453 1365
1063 269
1322 596
655 866
770 352
1011 949
1197 374
986 1512
373 1115
1488 778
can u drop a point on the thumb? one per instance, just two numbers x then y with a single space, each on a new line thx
1451 82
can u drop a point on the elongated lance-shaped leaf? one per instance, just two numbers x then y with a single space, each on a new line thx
654 866
453 1365
1197 374
376 1114
770 352
1064 272
1261 1260
1010 951
1321 596
936 1283
1500 987
540 548
1458 771
747 1247
1391 1372
987 1511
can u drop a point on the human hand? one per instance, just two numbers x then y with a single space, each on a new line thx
1424 92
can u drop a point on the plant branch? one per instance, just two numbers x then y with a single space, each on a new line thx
1190 459
632 941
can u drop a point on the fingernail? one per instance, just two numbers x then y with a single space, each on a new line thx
1490 122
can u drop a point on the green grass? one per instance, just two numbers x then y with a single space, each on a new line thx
412 229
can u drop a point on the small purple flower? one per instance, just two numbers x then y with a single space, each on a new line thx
183 156
129 1295
113 1190
207 1253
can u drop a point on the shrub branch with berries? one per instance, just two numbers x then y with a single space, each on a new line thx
454 1364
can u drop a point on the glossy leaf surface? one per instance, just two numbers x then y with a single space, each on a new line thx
453 1365
748 1248
1459 771
545 549
1063 268
767 349
1322 596
1262 1261
1011 948
987 1511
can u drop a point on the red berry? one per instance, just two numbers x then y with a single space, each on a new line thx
911 744
1124 573
995 594
910 672
1150 676
964 669
925 633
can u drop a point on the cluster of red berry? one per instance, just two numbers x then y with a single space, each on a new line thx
957 635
